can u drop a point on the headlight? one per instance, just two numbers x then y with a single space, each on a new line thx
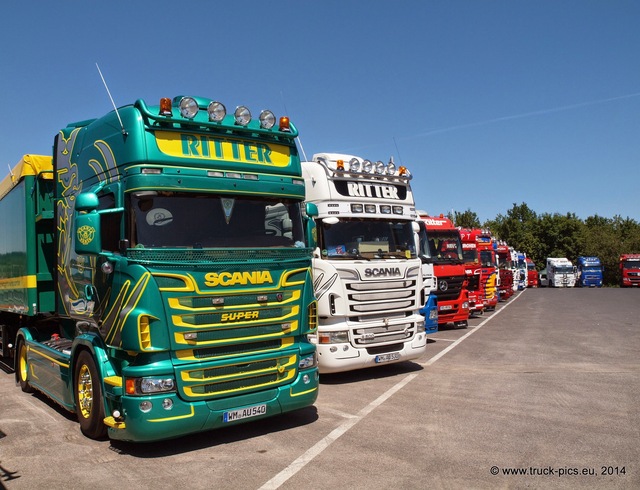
339 337
379 167
145 386
367 165
354 165
308 362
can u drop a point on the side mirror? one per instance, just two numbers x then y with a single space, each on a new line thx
87 201
311 209
88 238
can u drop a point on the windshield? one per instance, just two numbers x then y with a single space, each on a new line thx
445 246
487 258
366 238
563 269
470 255
196 220
591 268
631 264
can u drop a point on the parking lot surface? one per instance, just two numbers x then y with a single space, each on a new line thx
542 393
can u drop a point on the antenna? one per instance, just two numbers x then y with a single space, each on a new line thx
397 149
284 104
124 132
10 171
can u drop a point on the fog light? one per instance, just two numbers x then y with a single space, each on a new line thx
167 403
146 406
333 348
305 379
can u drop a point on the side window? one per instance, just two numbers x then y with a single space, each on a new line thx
109 223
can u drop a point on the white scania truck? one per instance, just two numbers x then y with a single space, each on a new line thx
561 273
367 273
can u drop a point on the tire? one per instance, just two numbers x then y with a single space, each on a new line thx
22 368
88 397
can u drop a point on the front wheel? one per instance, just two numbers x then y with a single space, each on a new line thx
88 396
22 368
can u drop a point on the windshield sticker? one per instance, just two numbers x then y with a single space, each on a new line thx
159 217
227 207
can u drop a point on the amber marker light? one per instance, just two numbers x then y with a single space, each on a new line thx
402 170
340 165
165 107
130 386
284 124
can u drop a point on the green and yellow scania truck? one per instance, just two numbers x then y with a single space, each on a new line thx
154 275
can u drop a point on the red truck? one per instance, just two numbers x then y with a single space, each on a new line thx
445 246
504 268
532 274
488 261
473 270
629 270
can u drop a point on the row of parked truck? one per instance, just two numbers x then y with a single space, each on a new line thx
588 272
173 268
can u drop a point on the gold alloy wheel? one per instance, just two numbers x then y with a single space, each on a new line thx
24 366
85 391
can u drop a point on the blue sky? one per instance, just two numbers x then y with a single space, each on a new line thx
487 102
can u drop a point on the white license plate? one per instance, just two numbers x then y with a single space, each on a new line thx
446 307
244 413
392 356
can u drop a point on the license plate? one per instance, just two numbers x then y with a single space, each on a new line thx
244 413
446 307
392 356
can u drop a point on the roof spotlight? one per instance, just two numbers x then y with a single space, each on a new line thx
242 115
216 111
391 168
267 119
188 107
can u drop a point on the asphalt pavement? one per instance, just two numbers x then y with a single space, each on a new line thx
542 393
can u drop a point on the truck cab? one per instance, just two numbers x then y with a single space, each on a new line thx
629 270
445 246
589 272
561 273
368 277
